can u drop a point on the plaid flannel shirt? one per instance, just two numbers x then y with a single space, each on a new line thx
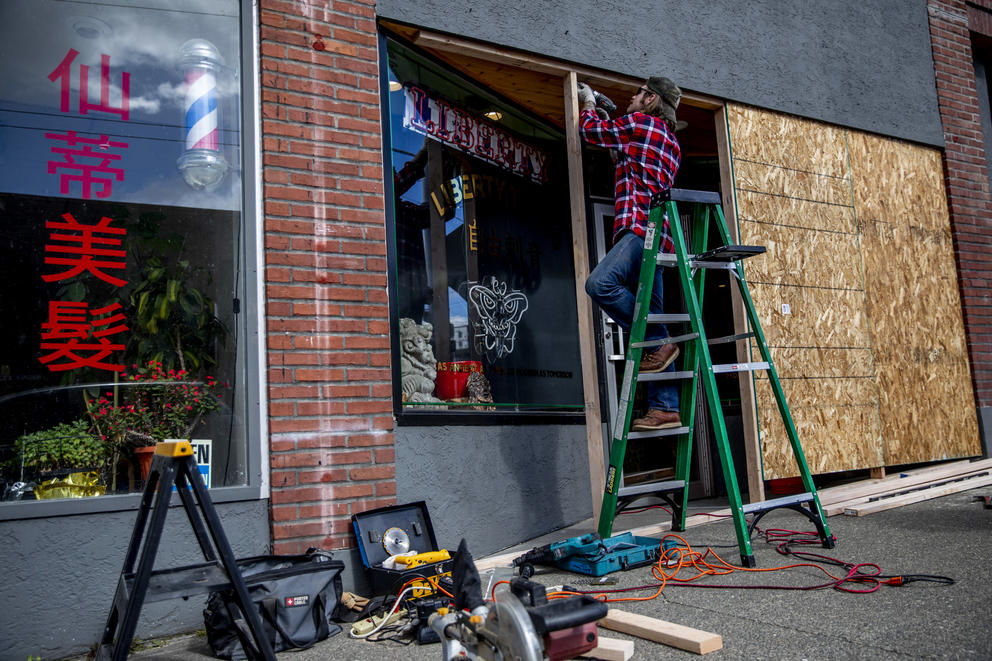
648 157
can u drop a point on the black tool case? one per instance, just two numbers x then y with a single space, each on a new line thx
411 518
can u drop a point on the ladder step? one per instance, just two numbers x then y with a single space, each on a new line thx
657 433
651 487
795 499
662 341
730 338
668 318
739 367
695 262
664 376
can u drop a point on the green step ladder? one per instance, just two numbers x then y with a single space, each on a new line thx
697 365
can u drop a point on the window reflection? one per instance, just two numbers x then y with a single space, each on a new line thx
484 275
120 145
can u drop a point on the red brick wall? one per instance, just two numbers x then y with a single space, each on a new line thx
967 180
327 320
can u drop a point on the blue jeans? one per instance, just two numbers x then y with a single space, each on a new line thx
613 285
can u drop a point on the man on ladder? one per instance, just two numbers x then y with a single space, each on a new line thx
647 158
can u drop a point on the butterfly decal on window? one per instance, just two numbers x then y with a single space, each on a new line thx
499 313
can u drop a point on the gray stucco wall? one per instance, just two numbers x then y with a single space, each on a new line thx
494 486
60 573
864 64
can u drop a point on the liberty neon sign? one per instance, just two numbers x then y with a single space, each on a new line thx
473 135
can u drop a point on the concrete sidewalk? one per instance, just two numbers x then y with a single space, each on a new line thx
949 536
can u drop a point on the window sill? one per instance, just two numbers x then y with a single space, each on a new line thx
408 418
39 509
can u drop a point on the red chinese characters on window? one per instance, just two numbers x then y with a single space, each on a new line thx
63 72
85 248
76 336
81 163
91 169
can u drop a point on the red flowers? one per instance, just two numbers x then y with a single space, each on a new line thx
152 405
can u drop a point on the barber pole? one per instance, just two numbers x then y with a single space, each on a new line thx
202 164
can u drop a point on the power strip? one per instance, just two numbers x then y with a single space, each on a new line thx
369 624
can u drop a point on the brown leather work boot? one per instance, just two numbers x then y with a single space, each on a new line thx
655 419
659 359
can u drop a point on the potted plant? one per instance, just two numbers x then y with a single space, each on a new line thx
65 460
151 404
65 446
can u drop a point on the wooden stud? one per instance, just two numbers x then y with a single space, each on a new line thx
749 415
580 255
611 649
667 633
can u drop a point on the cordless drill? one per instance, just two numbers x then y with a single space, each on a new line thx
550 554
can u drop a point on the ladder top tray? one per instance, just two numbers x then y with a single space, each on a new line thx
729 253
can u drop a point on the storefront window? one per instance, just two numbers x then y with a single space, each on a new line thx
121 245
482 270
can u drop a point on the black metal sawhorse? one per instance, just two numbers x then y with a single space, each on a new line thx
174 465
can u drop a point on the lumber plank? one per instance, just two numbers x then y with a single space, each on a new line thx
833 495
659 631
918 496
611 649
583 304
897 488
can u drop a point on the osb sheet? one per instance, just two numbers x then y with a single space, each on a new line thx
817 362
795 196
788 142
872 353
793 212
926 400
898 182
795 184
816 318
931 423
795 256
836 421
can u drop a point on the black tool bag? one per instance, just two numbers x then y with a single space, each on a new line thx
297 596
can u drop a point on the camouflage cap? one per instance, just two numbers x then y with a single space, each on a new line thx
669 93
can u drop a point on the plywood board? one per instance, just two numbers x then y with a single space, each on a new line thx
818 362
795 256
926 402
793 212
795 198
859 248
786 141
791 183
924 415
817 317
836 421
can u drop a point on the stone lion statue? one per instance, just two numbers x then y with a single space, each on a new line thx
418 367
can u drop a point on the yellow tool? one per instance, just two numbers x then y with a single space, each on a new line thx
427 558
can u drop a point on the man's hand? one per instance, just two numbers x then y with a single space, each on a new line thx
586 99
